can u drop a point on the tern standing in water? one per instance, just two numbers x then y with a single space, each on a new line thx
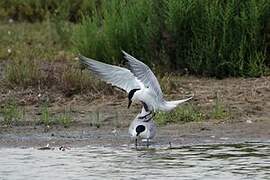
138 81
141 128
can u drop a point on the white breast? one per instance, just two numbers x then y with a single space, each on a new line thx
148 133
147 96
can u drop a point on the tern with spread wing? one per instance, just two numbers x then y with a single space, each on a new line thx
138 81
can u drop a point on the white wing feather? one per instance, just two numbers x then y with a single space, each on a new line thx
115 75
144 74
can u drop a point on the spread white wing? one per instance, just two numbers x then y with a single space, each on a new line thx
144 74
115 75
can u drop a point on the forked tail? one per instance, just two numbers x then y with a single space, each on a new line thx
177 102
169 105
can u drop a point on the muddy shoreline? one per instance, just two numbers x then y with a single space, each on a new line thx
192 133
247 100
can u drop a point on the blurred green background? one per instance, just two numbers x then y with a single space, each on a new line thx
208 37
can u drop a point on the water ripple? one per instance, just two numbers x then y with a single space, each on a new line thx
232 161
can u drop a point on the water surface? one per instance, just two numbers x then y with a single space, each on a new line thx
235 161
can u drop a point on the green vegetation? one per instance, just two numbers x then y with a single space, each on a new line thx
219 110
185 113
46 118
220 38
65 119
23 72
28 41
215 38
11 113
39 10
123 26
36 58
40 40
191 112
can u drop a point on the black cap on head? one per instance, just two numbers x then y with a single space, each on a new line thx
130 95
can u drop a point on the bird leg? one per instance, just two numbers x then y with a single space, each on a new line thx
136 143
170 145
147 143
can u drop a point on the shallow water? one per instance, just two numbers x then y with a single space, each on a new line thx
236 161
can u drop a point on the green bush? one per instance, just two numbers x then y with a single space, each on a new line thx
219 38
122 26
39 10
210 37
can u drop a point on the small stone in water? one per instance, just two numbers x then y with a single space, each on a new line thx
249 121
63 148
